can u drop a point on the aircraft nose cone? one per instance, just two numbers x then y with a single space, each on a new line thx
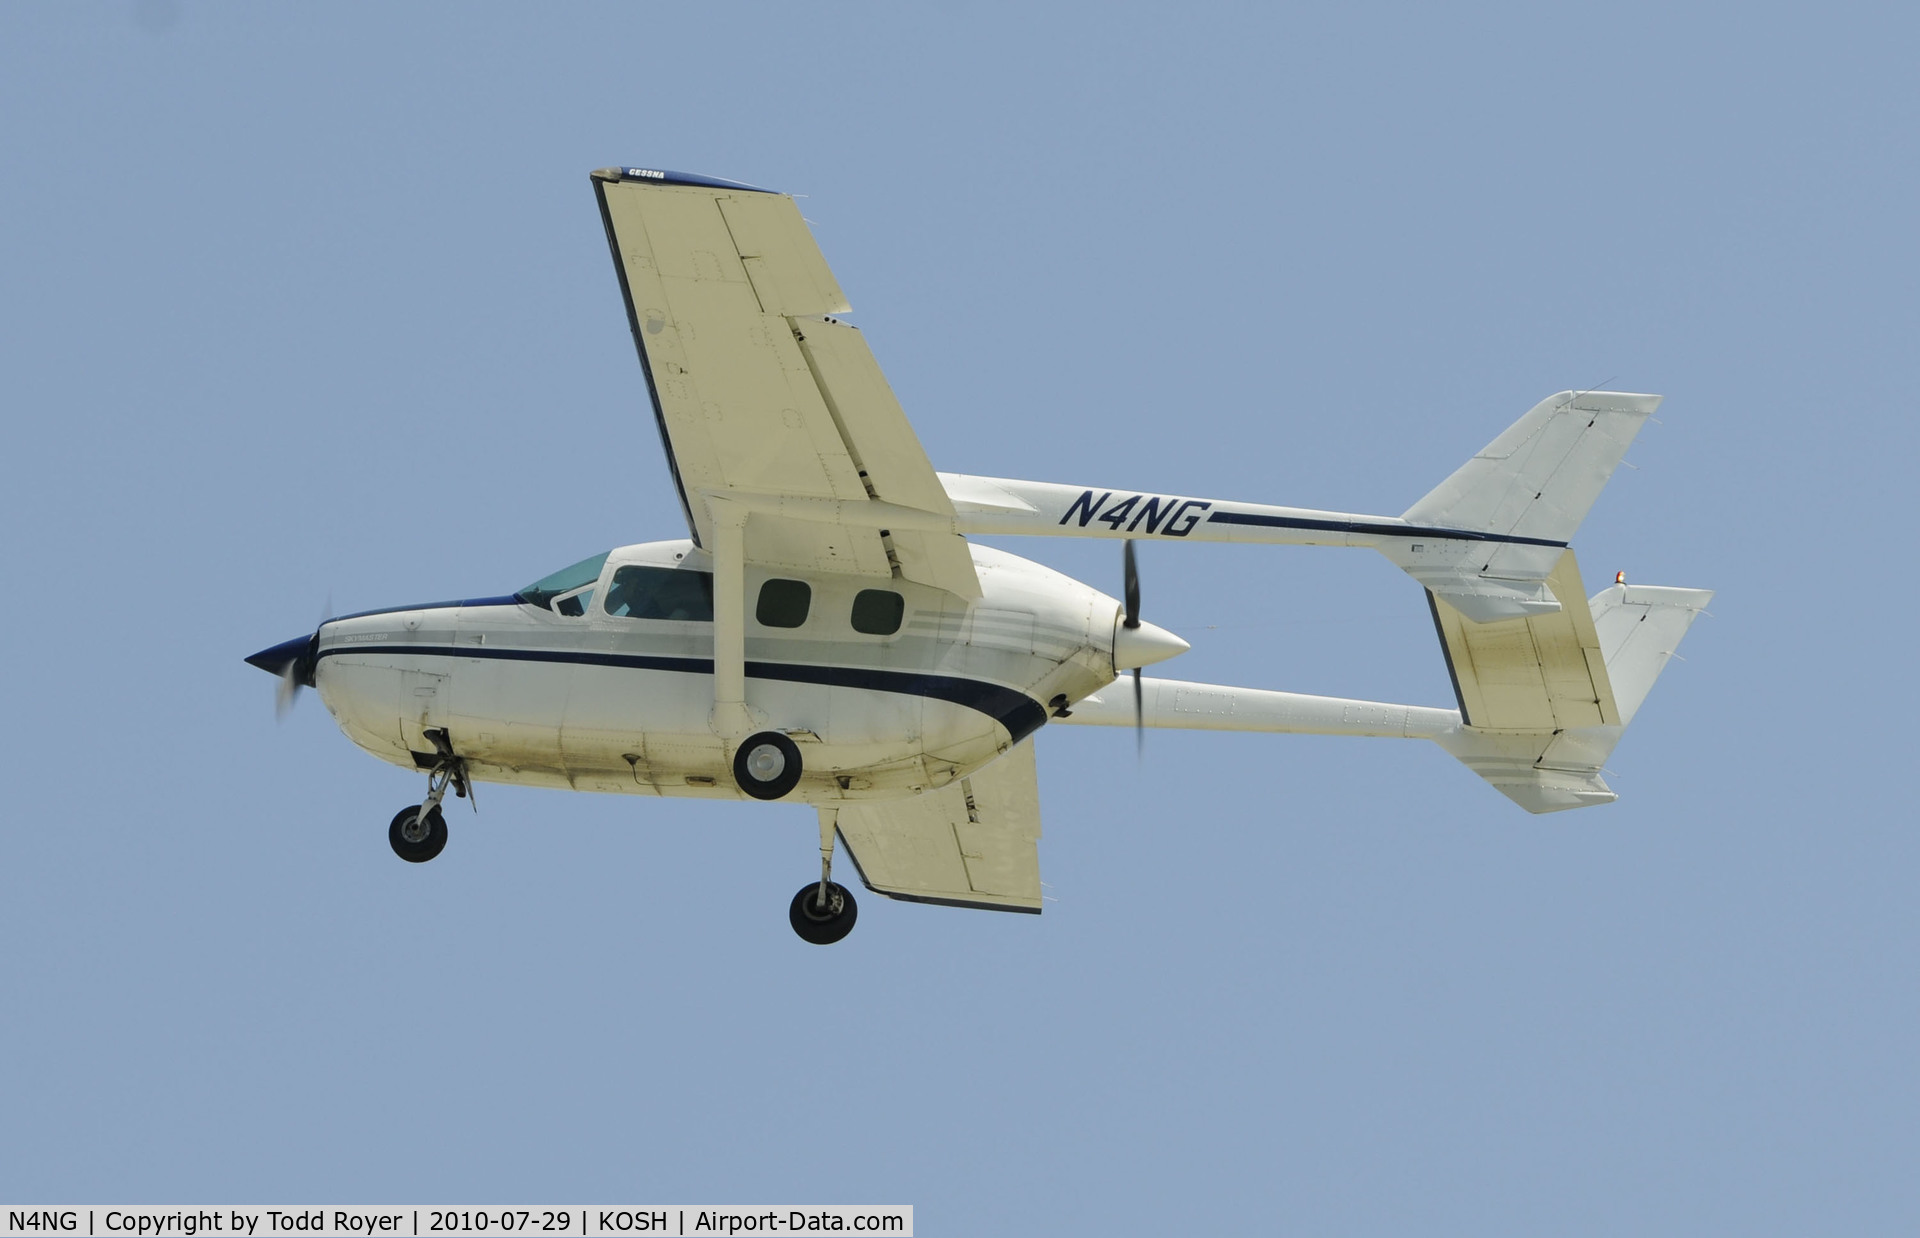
294 654
1144 645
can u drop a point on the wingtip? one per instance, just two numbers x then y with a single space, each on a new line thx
661 176
1638 403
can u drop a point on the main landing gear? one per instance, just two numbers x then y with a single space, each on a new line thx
419 831
824 911
767 765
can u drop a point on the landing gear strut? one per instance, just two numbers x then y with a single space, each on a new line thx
419 831
824 911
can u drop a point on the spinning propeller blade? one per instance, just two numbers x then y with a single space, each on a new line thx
1132 590
1130 569
1137 643
1139 718
293 662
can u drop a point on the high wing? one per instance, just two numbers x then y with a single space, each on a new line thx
972 843
758 393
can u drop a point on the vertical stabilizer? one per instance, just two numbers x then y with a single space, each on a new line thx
1639 628
1487 538
1540 477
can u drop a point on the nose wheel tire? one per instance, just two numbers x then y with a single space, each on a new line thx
767 765
823 925
417 841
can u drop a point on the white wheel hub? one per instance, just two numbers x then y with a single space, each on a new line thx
766 763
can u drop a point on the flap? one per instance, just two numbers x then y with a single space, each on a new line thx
886 452
972 843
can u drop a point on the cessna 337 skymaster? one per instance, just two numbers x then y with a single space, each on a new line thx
827 635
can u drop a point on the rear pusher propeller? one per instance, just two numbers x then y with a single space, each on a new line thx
1137 643
1131 593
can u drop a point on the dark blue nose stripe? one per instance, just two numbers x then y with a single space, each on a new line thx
274 661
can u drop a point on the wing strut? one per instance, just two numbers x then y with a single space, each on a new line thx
731 719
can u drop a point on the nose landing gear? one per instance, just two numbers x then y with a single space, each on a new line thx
824 911
419 831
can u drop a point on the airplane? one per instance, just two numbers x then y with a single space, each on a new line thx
826 634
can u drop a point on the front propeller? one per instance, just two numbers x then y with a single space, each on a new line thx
294 662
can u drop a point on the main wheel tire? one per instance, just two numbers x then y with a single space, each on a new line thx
823 926
417 851
767 765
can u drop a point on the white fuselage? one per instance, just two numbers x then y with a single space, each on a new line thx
603 702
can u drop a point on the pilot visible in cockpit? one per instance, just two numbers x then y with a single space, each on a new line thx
638 591
622 594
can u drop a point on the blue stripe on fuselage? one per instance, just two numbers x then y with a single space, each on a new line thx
1012 709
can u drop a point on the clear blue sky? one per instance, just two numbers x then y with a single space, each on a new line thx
310 304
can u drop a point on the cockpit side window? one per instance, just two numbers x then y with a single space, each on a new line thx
574 605
567 580
640 592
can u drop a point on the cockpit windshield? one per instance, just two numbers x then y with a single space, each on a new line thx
542 591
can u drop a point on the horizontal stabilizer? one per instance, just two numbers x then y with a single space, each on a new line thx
1529 740
1544 672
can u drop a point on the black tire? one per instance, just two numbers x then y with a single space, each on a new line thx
820 926
428 847
767 765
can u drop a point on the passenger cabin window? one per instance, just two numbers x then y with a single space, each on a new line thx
877 612
783 603
569 585
661 593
